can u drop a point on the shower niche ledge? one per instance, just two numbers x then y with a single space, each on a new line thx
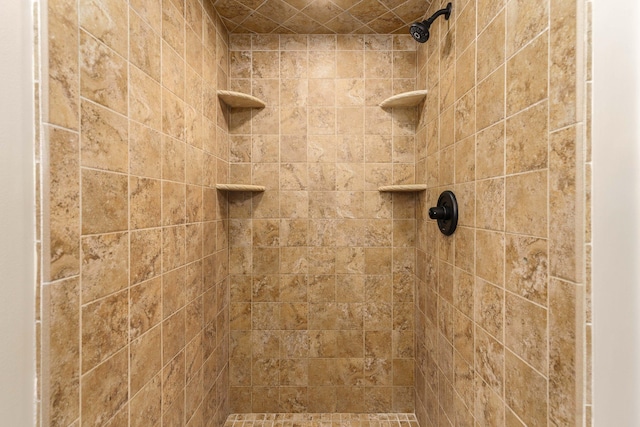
240 100
406 99
240 187
406 188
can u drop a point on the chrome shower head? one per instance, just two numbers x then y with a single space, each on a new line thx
420 30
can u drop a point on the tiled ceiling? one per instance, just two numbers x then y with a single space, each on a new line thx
321 16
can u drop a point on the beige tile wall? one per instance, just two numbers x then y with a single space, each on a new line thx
134 268
320 16
322 264
133 319
500 304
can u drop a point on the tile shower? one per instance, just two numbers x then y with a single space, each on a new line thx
321 264
163 301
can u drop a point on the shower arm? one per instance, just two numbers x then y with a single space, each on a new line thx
446 11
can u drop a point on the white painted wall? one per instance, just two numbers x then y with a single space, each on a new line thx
616 214
17 258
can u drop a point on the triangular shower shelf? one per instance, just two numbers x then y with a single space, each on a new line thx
240 187
240 100
408 188
406 99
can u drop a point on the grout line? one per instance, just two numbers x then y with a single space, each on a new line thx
80 216
161 322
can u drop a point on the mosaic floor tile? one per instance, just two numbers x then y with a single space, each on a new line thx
321 420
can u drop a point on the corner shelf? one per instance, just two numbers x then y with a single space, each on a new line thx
240 187
406 99
240 100
409 188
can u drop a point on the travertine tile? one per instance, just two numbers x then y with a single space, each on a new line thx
565 259
526 331
103 74
490 355
489 308
194 50
489 407
106 20
145 307
525 391
463 292
145 149
104 390
173 336
60 334
104 329
146 255
173 247
526 201
105 265
145 361
63 62
173 120
527 75
490 204
465 116
517 52
172 25
527 267
150 12
491 44
104 202
62 251
563 351
173 70
565 103
490 146
313 203
144 46
144 203
466 65
526 150
446 173
525 20
490 256
118 122
173 203
173 159
144 99
146 405
173 291
490 99
195 159
104 138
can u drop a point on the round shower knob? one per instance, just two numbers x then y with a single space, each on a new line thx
446 213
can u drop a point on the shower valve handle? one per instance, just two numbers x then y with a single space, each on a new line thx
446 212
439 212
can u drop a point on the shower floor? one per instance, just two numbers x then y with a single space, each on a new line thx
321 420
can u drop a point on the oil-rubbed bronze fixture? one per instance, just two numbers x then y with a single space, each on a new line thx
420 30
446 213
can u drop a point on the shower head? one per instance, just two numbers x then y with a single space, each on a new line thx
420 30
